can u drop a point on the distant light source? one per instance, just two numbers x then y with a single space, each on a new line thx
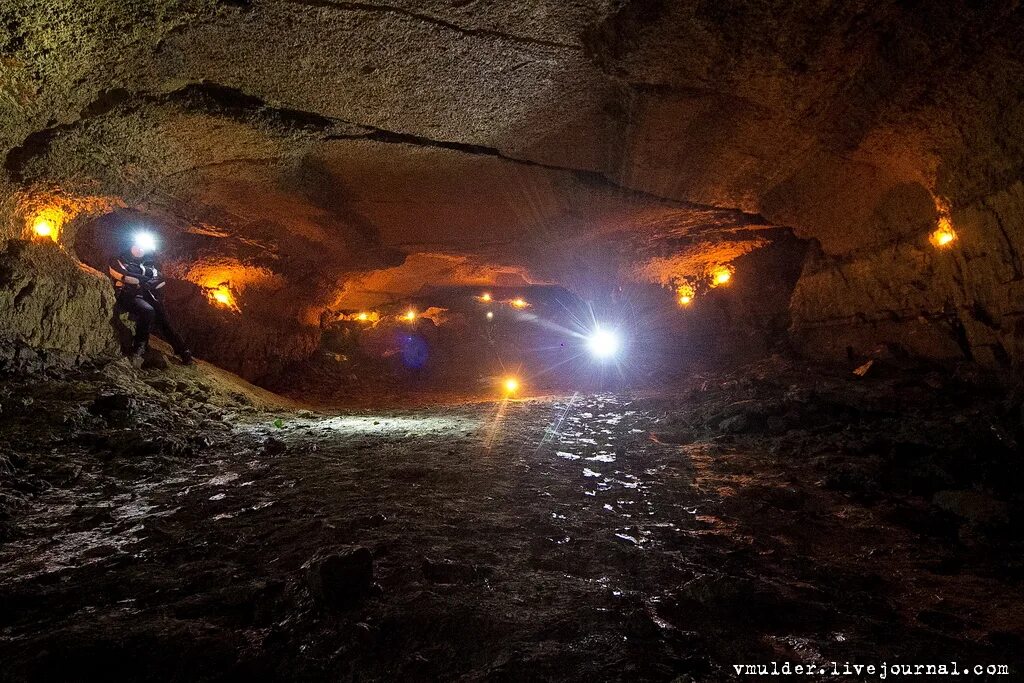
222 296
486 296
721 276
410 315
46 223
146 241
511 385
363 317
520 303
685 294
944 234
490 315
43 227
603 344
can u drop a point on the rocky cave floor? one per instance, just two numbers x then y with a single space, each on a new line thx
176 525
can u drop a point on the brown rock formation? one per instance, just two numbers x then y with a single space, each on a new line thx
292 148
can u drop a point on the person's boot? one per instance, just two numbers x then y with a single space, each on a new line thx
186 357
137 356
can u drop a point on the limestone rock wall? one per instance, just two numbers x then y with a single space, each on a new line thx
53 313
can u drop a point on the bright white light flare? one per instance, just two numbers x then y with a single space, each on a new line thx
146 241
603 344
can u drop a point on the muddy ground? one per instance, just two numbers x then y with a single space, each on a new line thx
173 524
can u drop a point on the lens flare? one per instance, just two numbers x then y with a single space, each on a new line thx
490 315
409 316
511 385
603 344
146 241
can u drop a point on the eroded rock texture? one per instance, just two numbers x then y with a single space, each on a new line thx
294 149
52 312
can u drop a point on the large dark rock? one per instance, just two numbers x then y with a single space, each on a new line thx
340 578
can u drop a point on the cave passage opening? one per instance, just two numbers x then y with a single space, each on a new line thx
702 294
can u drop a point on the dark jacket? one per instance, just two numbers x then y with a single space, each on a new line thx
135 277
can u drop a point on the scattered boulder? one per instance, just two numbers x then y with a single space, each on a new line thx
737 424
341 578
274 446
973 506
449 571
163 385
109 404
155 360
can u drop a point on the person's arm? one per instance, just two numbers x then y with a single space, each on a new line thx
156 282
121 274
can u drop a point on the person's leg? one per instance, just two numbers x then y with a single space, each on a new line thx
143 314
168 333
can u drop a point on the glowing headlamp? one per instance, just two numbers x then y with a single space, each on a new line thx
146 241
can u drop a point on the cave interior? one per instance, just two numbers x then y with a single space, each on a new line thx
536 340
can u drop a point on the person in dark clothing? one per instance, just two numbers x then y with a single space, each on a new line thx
139 288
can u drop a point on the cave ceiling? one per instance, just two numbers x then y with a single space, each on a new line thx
314 142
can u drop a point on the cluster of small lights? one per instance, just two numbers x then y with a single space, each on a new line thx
488 298
602 344
717 276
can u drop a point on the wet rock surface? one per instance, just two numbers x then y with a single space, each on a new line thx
606 536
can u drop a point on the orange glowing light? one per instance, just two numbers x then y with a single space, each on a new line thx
511 385
520 303
721 276
944 234
42 227
409 316
685 294
46 223
486 296
361 317
222 296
